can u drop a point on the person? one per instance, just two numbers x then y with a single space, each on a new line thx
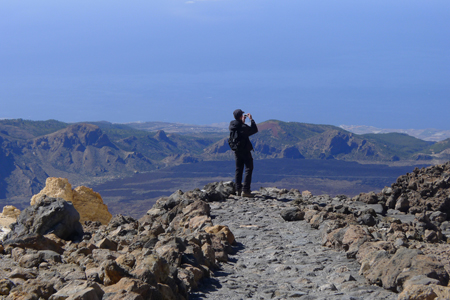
243 155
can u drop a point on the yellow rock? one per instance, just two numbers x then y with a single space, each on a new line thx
7 217
221 230
55 187
10 211
88 203
90 206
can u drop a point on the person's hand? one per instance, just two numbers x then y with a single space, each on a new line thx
249 116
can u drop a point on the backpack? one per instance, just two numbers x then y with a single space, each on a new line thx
235 141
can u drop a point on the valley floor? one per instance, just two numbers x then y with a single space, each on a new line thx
134 195
275 259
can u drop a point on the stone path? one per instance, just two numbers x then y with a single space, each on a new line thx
275 259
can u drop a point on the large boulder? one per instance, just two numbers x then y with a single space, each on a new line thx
49 215
392 272
54 187
88 203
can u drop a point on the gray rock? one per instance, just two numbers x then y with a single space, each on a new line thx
22 274
387 191
402 204
292 214
120 220
219 191
399 243
421 280
367 219
328 286
30 260
50 256
438 217
107 244
378 208
49 215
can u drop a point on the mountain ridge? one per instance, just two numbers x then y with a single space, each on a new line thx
31 151
75 151
428 134
278 139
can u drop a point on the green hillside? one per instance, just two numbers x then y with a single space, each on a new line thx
399 144
440 146
289 133
35 128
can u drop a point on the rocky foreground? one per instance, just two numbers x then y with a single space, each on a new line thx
210 244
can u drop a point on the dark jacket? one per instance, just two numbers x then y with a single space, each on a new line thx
244 131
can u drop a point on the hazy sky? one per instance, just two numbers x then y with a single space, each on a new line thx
384 63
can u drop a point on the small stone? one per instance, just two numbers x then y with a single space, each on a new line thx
297 294
399 243
328 287
107 244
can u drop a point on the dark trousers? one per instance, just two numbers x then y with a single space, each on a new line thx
243 159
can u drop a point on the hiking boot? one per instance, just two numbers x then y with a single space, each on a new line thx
247 194
239 192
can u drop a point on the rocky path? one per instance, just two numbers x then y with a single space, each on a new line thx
275 259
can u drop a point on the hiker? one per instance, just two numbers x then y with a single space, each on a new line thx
241 145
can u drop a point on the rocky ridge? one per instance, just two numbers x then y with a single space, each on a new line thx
49 255
399 236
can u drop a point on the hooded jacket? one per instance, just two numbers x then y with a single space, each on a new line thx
244 131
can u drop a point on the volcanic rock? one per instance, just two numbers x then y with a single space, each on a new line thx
49 215
293 214
87 202
426 189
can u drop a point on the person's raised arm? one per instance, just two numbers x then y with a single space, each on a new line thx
253 128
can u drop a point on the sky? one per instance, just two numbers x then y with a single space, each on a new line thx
382 63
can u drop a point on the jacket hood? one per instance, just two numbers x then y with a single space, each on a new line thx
235 125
